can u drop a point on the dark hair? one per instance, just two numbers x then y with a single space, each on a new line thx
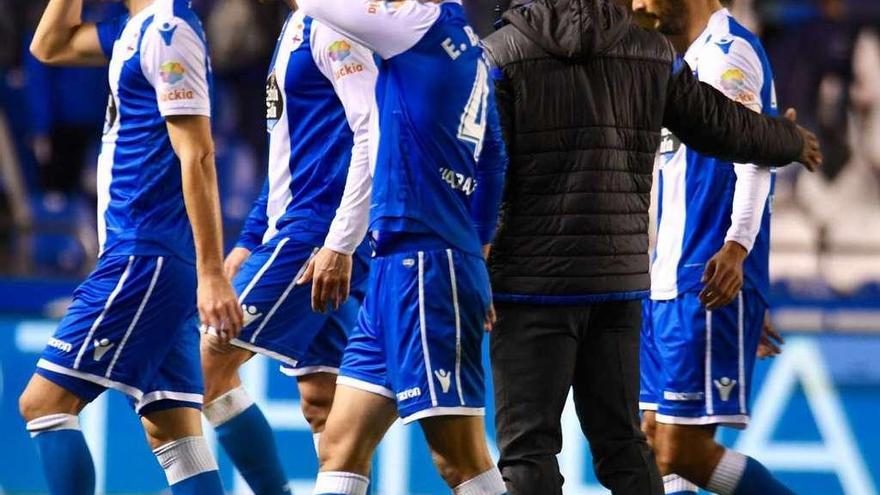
726 3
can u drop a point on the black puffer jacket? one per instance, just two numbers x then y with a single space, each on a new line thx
583 94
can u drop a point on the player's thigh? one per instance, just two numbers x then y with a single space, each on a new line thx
316 392
278 319
42 397
650 365
220 364
458 446
120 326
433 307
358 420
649 426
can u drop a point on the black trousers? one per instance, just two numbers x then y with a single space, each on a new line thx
538 353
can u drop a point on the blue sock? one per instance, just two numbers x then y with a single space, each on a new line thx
207 482
190 467
674 484
248 439
737 474
756 479
67 462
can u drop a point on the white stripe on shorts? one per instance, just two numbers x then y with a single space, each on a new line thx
137 316
710 408
454 284
423 330
100 317
742 357
283 298
250 286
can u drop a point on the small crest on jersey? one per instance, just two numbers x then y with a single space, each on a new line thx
733 80
339 50
725 386
171 72
725 43
167 32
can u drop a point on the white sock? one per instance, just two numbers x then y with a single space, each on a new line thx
728 472
185 458
673 483
227 406
316 437
53 422
341 482
488 483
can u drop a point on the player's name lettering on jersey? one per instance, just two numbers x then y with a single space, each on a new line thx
410 393
455 51
177 95
347 70
60 345
458 182
683 396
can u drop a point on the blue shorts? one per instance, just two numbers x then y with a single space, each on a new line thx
696 365
133 327
419 334
278 316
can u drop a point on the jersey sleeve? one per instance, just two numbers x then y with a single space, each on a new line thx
257 221
350 68
736 70
174 60
491 169
388 28
108 33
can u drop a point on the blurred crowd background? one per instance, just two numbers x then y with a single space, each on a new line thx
825 54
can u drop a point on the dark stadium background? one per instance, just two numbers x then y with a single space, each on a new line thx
815 412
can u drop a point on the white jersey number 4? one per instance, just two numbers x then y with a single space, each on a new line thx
472 128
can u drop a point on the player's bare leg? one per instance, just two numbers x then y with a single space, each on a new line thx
175 436
649 426
357 422
242 429
691 452
316 391
51 413
458 447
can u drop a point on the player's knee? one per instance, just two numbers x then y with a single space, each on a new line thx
221 371
30 407
339 452
316 408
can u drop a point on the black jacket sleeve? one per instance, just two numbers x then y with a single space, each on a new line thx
710 123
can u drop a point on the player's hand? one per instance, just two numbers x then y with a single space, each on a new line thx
723 276
491 318
234 260
811 155
218 306
487 250
771 342
330 274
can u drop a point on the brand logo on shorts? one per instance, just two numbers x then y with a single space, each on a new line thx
410 393
60 345
101 348
251 314
445 379
682 396
409 263
725 386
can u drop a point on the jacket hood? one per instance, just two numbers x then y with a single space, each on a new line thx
570 28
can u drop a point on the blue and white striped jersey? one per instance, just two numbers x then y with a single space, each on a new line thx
159 67
439 159
705 202
319 97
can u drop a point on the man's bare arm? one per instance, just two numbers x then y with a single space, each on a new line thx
62 38
218 305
